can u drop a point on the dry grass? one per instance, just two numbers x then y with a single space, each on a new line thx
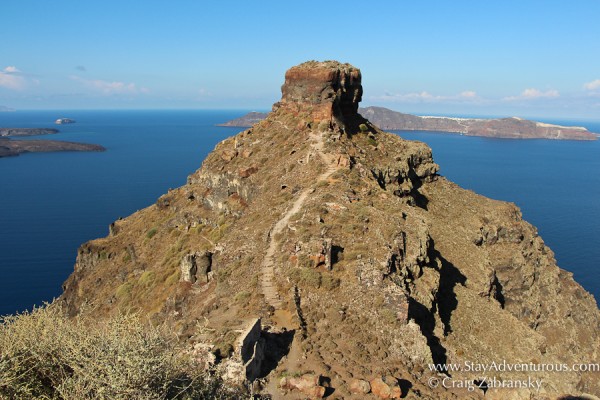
45 355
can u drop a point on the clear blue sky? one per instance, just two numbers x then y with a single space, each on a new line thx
524 58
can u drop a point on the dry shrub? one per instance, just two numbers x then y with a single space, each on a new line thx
45 355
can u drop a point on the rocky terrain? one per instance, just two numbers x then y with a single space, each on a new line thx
5 132
314 255
508 128
15 147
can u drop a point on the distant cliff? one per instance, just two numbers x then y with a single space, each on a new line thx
246 120
509 128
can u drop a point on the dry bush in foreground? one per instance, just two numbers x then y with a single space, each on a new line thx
45 355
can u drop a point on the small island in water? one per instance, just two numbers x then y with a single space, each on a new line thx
10 147
505 128
64 121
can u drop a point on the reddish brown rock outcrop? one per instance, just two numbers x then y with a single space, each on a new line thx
328 91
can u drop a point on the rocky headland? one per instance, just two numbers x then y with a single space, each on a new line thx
246 120
506 128
314 255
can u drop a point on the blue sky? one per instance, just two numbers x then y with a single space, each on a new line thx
523 58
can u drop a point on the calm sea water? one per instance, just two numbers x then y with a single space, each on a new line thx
51 203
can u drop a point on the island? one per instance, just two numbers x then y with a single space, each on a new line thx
506 128
4 132
15 147
10 147
6 109
64 121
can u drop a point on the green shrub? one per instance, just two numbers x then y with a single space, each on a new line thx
242 297
150 234
306 277
124 290
363 127
45 355
329 282
147 278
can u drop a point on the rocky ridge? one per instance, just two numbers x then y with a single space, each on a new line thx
316 255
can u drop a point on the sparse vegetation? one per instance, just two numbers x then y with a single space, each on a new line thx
45 355
150 234
147 278
306 277
329 282
242 297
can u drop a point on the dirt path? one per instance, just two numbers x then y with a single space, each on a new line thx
268 285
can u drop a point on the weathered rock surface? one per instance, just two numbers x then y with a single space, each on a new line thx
360 386
359 259
508 128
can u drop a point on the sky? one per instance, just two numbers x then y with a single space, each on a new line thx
487 58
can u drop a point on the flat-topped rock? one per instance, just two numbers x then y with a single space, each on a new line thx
327 90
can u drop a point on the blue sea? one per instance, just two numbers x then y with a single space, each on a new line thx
51 203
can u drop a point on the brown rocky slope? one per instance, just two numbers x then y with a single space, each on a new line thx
319 256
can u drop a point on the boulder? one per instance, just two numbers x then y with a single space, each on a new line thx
380 388
359 386
308 384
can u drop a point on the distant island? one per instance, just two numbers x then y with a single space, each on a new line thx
509 128
15 147
10 147
4 132
63 121
6 109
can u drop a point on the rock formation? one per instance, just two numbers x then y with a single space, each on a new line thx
344 265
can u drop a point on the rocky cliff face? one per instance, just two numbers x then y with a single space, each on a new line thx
319 256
